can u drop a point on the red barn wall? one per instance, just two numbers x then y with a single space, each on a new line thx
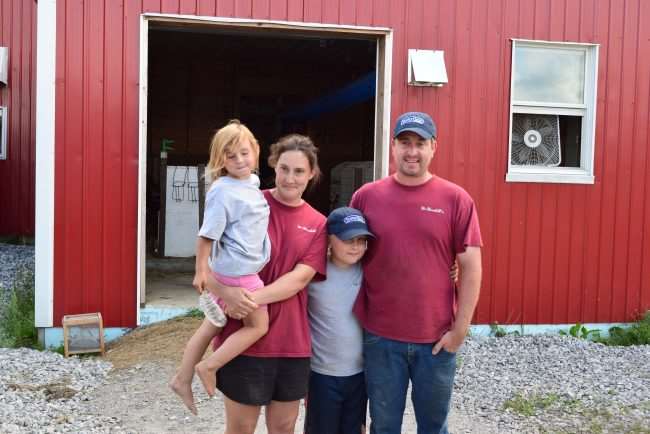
18 33
554 253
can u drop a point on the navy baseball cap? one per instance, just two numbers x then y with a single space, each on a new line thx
416 122
347 223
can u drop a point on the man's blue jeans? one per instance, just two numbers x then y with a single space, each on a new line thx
389 365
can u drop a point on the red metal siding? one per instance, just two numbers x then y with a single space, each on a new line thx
553 253
17 32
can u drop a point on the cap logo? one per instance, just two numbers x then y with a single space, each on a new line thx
353 218
409 119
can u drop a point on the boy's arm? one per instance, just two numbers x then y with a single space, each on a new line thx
468 292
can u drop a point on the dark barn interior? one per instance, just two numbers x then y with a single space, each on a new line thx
275 82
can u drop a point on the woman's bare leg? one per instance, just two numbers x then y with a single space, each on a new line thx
240 418
181 383
281 417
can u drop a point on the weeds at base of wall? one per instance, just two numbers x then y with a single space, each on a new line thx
636 334
499 331
17 327
17 240
195 312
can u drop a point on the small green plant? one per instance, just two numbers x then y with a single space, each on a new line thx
528 406
581 332
496 330
17 323
499 331
637 334
194 313
60 350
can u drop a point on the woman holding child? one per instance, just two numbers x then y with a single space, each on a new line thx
274 371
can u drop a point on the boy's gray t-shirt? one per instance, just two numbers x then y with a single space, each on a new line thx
337 337
237 217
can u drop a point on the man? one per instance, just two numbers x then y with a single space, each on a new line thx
414 317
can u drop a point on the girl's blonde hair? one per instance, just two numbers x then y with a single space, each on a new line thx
227 139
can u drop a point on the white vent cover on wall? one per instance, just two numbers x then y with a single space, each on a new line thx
4 62
426 68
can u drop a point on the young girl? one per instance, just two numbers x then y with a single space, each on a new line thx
337 400
232 246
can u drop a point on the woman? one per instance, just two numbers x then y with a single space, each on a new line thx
274 372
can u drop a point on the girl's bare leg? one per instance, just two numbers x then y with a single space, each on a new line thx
256 324
181 383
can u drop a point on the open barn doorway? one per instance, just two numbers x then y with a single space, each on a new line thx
276 81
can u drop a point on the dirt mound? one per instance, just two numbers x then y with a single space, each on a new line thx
163 341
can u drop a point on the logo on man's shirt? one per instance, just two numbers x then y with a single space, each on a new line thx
434 210
306 229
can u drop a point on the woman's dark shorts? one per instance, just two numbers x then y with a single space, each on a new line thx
260 380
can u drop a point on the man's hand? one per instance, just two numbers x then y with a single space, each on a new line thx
450 341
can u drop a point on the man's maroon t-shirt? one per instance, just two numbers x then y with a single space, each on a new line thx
407 294
298 236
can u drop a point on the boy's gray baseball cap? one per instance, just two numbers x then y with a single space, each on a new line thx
416 122
347 223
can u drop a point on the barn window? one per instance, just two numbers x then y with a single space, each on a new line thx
3 133
552 112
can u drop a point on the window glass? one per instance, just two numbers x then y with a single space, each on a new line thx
552 75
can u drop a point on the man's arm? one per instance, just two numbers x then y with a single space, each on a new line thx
469 286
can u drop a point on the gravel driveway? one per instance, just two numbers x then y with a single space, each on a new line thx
552 384
529 384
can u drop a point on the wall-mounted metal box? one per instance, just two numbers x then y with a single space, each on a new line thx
426 68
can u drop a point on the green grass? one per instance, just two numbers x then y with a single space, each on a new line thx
195 312
528 406
17 323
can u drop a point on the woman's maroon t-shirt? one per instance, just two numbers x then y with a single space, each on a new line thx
298 236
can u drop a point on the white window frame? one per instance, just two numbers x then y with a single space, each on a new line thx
567 175
3 135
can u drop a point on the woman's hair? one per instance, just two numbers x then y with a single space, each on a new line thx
227 139
296 142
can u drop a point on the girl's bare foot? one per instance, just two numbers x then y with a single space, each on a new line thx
184 391
208 377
